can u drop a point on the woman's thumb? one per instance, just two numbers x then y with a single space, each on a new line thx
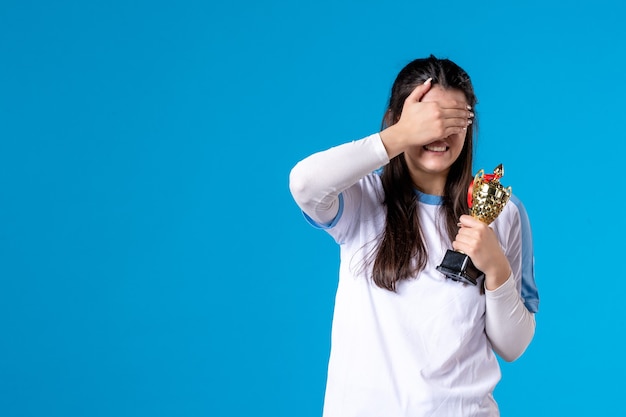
418 93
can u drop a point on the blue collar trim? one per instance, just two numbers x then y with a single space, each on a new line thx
433 200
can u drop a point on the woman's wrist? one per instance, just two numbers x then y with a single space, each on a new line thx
393 141
497 276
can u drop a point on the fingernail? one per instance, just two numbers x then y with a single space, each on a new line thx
471 114
469 121
469 107
428 80
459 224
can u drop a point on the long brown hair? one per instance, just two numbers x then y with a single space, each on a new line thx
402 253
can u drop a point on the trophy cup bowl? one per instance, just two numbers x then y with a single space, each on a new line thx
486 199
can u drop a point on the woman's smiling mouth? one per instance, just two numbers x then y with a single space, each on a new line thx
436 147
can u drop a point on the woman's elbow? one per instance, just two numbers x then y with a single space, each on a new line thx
299 185
510 356
512 353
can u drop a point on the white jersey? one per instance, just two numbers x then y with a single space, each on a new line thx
422 350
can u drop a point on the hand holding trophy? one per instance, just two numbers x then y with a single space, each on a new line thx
486 198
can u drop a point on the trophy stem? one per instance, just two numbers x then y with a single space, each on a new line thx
459 267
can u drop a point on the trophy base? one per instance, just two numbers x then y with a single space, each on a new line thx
459 267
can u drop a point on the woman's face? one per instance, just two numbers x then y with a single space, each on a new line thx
433 160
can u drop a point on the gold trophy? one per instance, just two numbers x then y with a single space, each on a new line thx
486 198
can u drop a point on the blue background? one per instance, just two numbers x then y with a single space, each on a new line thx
152 261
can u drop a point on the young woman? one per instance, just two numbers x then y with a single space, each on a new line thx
406 341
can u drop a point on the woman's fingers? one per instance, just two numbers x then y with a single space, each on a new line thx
456 112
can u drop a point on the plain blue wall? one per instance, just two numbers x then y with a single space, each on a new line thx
152 261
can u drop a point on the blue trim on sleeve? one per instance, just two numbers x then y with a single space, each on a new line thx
328 225
529 288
